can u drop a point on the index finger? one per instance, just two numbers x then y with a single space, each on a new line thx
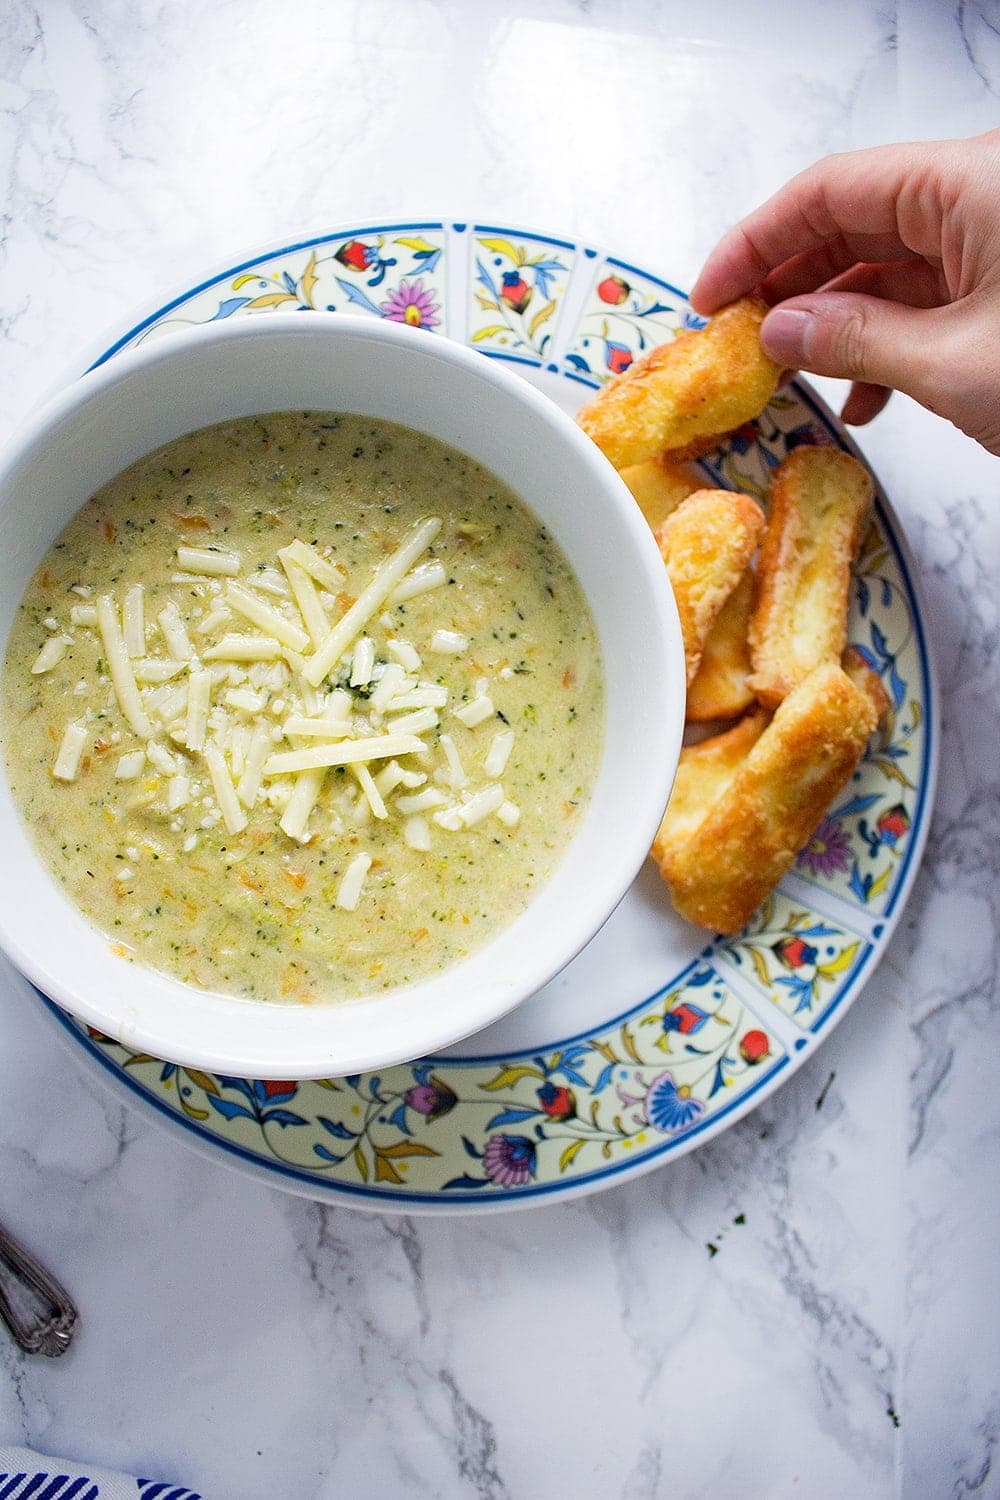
884 191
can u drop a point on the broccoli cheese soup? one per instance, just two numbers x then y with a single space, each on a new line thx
302 707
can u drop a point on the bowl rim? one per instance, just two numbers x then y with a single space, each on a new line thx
298 1049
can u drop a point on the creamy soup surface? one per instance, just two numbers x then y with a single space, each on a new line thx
302 707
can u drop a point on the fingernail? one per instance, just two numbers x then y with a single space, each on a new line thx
786 335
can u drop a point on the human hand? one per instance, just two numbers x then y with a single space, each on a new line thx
885 268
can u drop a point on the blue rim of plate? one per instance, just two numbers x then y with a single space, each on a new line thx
675 1066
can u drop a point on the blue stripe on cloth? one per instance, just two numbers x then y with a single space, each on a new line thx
150 1489
56 1488
21 1486
25 1486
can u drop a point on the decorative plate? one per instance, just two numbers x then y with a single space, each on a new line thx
655 1038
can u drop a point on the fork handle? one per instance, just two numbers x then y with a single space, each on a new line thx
42 1318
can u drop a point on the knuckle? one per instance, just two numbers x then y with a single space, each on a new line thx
853 343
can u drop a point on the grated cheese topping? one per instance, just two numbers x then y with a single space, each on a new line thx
233 720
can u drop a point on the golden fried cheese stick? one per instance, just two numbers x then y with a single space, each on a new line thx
703 774
724 866
701 385
706 544
720 688
819 504
658 487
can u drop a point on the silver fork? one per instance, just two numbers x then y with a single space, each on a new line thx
37 1310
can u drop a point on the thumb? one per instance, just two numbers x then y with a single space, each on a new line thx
853 337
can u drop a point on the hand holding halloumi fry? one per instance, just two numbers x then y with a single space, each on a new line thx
820 501
697 387
721 868
706 545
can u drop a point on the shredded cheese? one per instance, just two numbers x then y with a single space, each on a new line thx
449 643
266 617
498 754
199 699
300 804
225 793
475 712
120 667
211 560
367 783
352 884
50 655
67 763
134 620
428 576
130 765
370 600
345 753
243 648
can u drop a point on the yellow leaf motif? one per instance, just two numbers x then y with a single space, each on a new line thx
879 884
629 1044
309 279
488 333
414 242
504 247
760 964
540 317
203 1080
509 1076
837 965
360 1163
572 1150
271 299
241 281
891 769
487 303
385 1171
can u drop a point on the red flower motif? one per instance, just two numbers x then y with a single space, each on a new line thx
754 1047
613 290
515 291
558 1103
273 1086
893 824
356 255
794 952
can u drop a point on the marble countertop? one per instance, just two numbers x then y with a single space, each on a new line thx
843 1338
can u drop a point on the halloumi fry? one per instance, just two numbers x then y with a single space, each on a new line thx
658 487
720 689
706 544
703 774
749 837
704 382
820 501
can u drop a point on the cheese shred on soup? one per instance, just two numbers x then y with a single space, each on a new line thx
302 707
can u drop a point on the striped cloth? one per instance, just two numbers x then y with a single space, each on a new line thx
25 1475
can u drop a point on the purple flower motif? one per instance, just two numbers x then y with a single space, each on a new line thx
827 851
811 434
431 1097
509 1159
412 303
669 1108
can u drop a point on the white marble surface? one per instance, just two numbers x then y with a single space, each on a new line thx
844 1340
